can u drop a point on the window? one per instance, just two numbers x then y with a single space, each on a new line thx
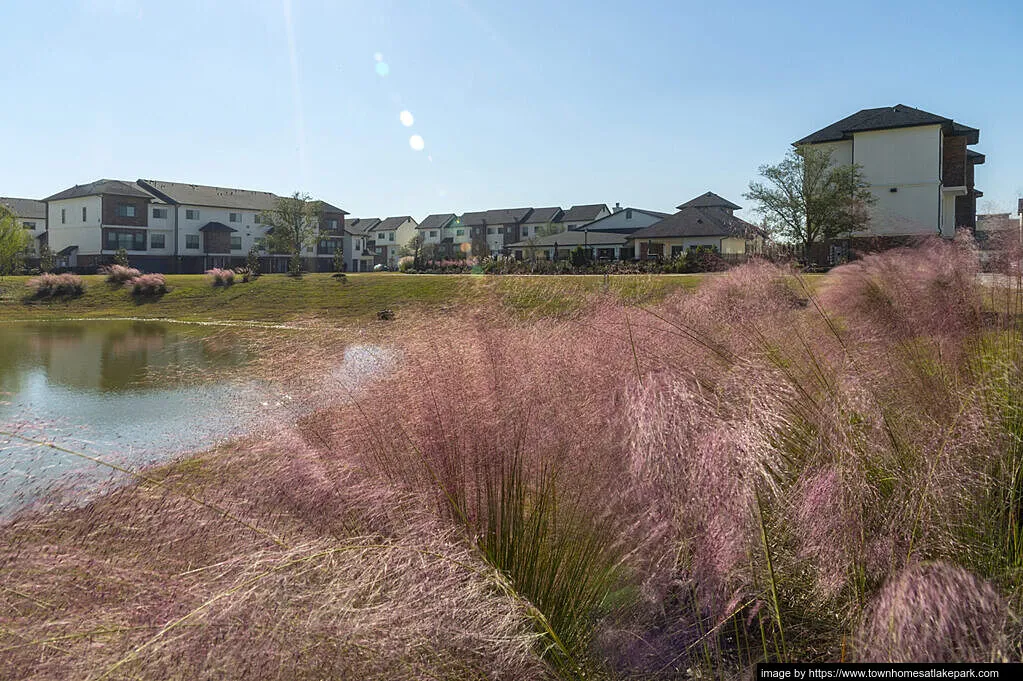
390 237
160 213
157 240
124 210
236 243
525 231
332 223
85 212
128 239
459 232
234 217
28 225
257 219
191 214
433 234
192 241
63 216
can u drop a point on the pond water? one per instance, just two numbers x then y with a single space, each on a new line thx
128 392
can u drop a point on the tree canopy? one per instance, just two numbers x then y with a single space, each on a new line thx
807 198
14 242
293 224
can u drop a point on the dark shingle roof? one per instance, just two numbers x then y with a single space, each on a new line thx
709 200
574 238
436 221
597 225
387 224
360 225
544 215
25 208
975 156
585 213
214 197
221 227
885 118
692 222
115 187
501 216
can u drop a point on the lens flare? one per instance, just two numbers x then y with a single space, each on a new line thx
382 68
406 119
416 142
377 56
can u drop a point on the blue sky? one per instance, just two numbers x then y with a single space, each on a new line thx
525 103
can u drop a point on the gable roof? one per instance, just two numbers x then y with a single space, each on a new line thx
586 213
886 118
597 226
25 208
544 215
501 216
115 187
709 200
360 225
693 221
390 223
436 221
221 227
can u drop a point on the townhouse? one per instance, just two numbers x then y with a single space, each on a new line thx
488 231
918 166
389 236
541 222
174 226
357 244
605 238
444 234
32 216
577 216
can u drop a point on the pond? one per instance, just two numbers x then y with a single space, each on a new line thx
127 392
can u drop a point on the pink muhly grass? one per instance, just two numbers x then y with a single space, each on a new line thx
56 285
220 276
119 274
938 612
148 285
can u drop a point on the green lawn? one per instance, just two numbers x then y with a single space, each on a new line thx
278 298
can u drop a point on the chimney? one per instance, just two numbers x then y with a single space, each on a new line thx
618 207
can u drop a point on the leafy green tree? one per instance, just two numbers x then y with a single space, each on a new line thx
252 261
121 257
14 242
339 259
47 261
295 224
807 198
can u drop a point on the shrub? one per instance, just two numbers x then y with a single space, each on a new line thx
56 286
245 273
148 285
295 265
406 264
252 262
121 257
119 274
220 276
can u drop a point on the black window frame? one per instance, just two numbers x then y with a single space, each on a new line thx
122 211
190 239
138 239
163 240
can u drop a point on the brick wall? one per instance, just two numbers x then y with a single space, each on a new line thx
953 161
110 216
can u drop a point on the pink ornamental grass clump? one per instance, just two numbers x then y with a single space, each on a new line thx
119 274
146 285
938 612
220 276
56 285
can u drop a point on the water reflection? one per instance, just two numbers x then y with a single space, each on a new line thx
128 392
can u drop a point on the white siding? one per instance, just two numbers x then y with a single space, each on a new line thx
246 227
622 220
900 157
72 231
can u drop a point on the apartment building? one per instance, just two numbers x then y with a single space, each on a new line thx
918 165
32 216
173 226
359 244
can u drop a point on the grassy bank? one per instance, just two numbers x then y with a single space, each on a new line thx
681 491
281 298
